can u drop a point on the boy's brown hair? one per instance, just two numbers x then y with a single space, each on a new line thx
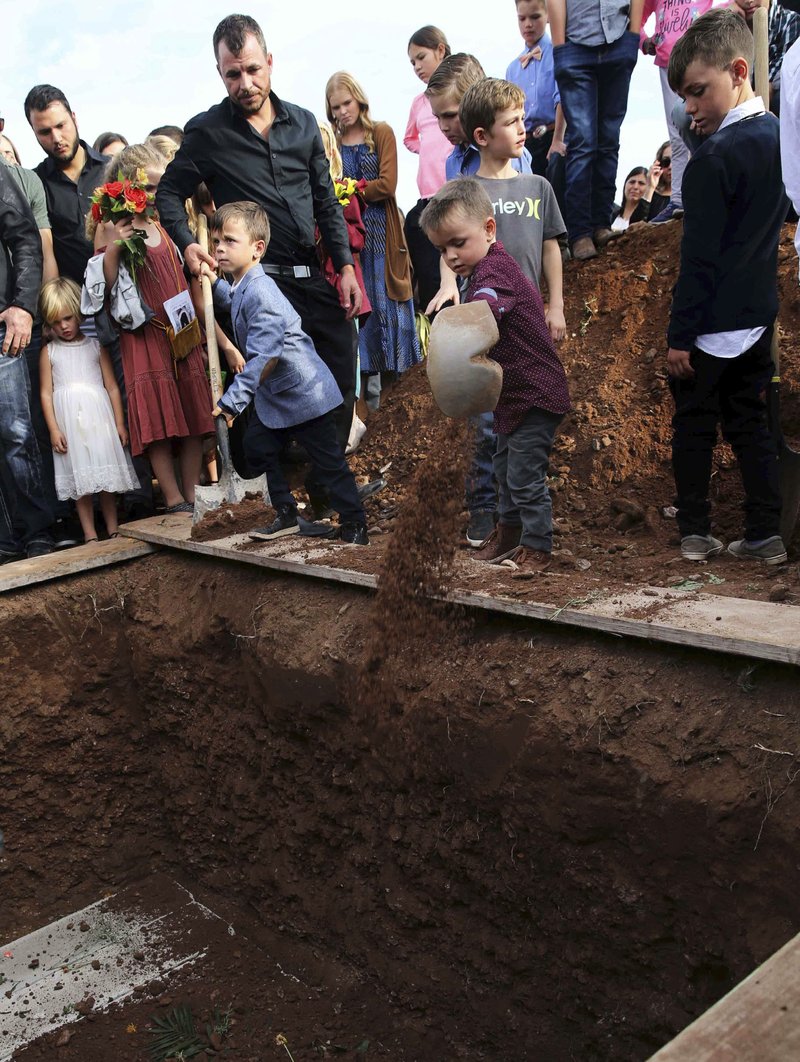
482 102
252 217
454 75
716 38
464 194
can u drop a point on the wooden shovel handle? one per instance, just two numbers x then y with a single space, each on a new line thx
214 371
761 62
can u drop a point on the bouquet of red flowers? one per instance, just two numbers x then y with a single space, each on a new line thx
113 200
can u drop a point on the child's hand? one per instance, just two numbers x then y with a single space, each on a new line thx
122 431
679 364
649 46
207 271
554 318
217 412
448 292
235 360
124 228
58 441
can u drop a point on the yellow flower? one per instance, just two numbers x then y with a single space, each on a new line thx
281 1040
131 1028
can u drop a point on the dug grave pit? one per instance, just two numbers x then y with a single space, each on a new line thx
545 844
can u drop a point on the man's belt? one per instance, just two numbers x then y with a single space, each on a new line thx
295 272
538 131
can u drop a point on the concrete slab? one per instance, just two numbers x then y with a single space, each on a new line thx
23 573
755 629
102 951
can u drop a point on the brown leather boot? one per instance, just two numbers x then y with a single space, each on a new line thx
502 541
529 562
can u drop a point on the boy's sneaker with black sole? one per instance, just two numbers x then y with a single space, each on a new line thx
769 550
481 525
700 547
285 523
354 534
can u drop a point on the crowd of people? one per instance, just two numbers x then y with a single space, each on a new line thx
319 279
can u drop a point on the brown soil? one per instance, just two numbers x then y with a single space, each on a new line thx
530 843
552 846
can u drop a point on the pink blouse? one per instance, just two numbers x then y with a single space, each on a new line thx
424 137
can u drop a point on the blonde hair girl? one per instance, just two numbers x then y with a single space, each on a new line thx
387 342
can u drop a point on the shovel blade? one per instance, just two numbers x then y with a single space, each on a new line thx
230 490
789 465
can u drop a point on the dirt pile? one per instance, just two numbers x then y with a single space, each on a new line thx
611 458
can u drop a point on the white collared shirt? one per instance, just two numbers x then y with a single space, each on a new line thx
790 128
732 344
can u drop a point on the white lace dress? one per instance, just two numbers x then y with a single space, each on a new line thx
95 459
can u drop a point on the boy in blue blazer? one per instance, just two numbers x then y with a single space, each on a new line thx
295 393
726 298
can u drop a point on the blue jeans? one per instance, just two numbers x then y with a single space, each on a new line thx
29 512
481 490
520 465
593 82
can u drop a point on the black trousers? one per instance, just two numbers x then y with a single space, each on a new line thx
334 338
263 445
538 147
727 392
424 257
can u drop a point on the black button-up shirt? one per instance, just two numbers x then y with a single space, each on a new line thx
68 204
287 173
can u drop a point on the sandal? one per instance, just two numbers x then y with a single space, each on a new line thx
181 507
87 540
114 534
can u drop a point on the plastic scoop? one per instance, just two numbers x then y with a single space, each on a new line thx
464 381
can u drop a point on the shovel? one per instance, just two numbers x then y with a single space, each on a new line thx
464 381
231 488
788 459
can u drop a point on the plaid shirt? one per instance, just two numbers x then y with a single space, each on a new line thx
784 29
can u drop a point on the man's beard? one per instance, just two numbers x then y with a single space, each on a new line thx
252 104
64 160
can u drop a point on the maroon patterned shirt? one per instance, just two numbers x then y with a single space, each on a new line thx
533 376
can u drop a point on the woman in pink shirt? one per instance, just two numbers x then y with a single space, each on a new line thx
426 49
673 18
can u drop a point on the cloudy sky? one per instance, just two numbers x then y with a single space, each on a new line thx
156 65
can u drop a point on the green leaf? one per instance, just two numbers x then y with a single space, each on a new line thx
175 1034
363 1047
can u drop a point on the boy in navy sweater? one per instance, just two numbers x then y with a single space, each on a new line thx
725 301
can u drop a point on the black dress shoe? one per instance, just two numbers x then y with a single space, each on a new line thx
285 523
354 534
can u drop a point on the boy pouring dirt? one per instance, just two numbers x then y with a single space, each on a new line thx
459 222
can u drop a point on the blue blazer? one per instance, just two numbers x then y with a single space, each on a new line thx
266 326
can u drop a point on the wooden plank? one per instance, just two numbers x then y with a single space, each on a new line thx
758 1021
23 573
174 531
754 629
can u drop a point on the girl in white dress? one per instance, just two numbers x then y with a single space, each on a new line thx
83 409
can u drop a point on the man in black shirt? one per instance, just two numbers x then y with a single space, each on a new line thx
254 146
70 173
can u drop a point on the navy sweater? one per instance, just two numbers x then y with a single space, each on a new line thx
735 204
